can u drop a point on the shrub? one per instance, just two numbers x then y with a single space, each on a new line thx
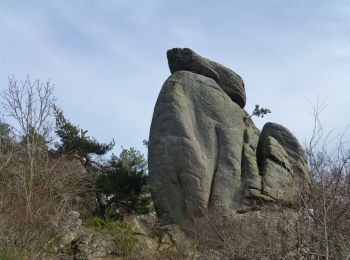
124 237
56 188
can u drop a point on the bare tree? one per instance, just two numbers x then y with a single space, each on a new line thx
329 205
30 105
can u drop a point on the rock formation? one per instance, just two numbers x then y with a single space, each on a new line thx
205 152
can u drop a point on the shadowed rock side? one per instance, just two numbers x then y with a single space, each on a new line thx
205 152
250 171
228 80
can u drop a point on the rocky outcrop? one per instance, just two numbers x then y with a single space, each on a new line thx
205 152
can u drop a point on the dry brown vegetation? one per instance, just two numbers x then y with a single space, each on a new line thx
33 221
318 228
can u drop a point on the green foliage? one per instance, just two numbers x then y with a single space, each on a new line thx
5 130
75 140
145 143
260 112
124 237
124 182
98 223
5 137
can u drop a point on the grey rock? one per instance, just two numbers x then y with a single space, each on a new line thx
228 80
282 164
252 133
73 226
195 148
92 246
250 171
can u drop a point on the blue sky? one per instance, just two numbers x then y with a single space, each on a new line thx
107 58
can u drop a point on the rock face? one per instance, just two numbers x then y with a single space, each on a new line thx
195 147
205 152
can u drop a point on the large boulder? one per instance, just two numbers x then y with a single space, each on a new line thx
195 148
205 153
228 80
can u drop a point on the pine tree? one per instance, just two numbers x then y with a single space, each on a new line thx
74 140
124 183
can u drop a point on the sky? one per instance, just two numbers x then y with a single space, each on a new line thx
107 58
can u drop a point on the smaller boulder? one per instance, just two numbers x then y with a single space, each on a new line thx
282 164
73 227
228 80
